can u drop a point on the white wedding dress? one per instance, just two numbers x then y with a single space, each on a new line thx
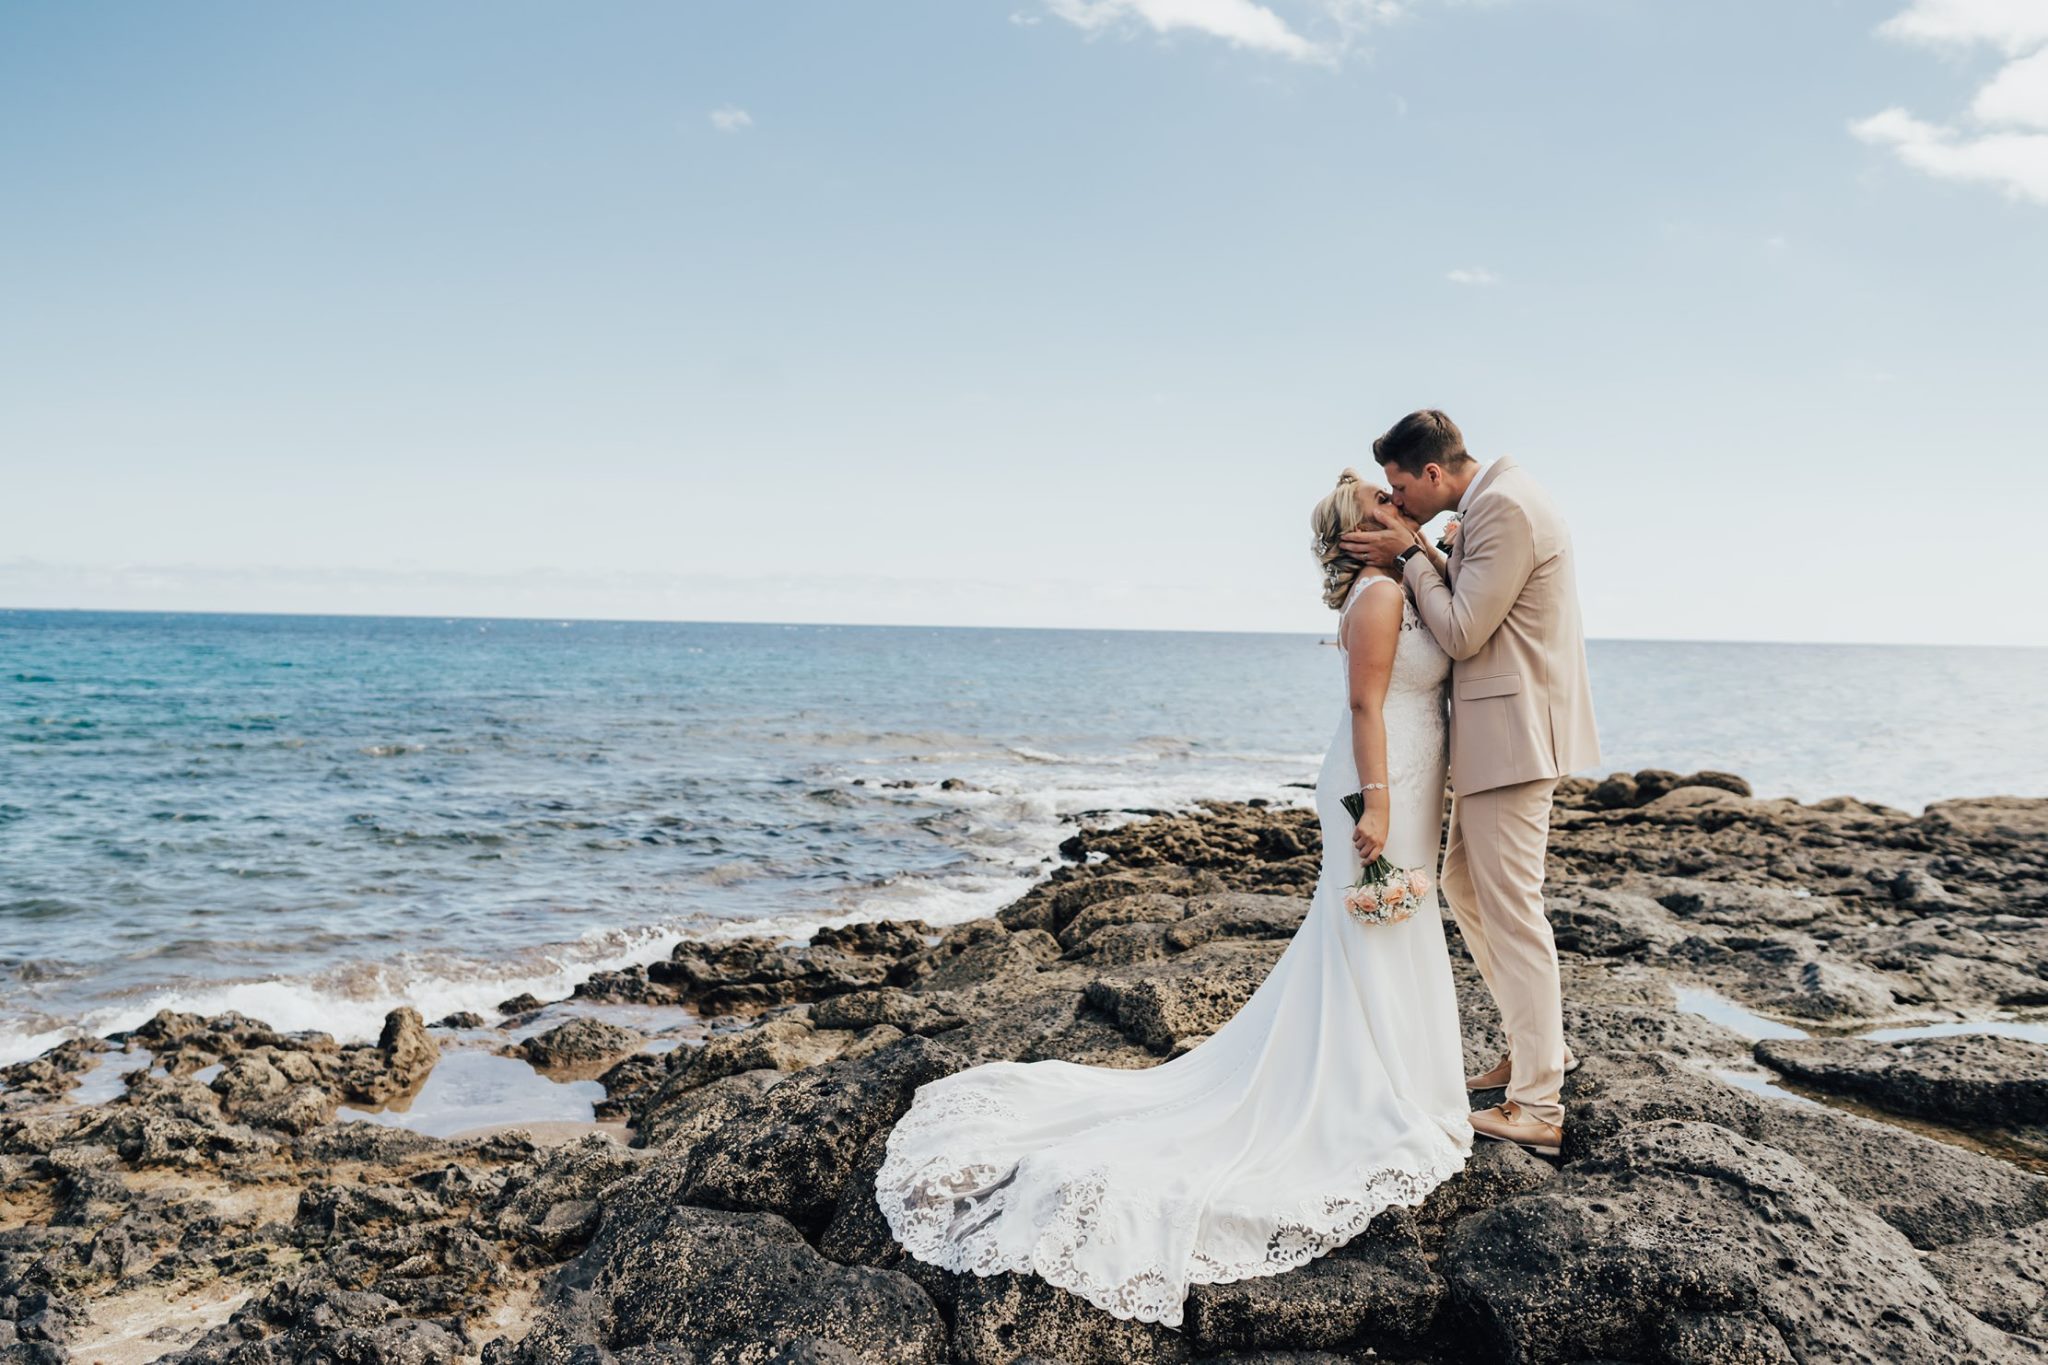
1336 1091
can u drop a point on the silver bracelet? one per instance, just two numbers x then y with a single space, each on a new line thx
1374 787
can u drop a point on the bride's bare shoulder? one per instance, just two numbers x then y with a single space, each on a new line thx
1373 616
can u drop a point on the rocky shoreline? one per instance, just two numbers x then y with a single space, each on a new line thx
1774 1152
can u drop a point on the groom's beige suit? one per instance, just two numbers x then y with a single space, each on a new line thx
1521 718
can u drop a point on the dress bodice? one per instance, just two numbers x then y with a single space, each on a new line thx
1418 728
1420 664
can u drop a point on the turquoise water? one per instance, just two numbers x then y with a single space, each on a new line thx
314 818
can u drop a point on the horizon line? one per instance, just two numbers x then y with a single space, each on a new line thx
917 625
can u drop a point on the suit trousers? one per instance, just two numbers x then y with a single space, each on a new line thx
1493 880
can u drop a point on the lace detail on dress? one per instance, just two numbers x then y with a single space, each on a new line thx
1418 728
946 1212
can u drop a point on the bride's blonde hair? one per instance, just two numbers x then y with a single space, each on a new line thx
1343 509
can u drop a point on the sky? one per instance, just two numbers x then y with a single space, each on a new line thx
1023 313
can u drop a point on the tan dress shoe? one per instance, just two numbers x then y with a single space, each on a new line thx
1498 1077
1508 1123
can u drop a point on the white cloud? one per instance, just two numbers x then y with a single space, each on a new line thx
2014 25
2017 95
1472 275
1241 23
2017 162
2003 140
731 119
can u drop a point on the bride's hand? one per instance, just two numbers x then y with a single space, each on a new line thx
1371 834
1376 545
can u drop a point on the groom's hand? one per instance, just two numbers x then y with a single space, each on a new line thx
1378 548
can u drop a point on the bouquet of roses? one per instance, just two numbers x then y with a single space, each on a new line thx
1383 893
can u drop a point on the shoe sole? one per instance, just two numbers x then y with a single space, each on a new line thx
1569 1068
1539 1148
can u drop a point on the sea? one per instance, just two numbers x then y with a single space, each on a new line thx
315 819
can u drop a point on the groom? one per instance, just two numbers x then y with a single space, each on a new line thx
1505 606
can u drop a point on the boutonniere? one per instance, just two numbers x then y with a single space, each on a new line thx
1450 536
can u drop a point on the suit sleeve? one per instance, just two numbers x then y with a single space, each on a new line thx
1499 556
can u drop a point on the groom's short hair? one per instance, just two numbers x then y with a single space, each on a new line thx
1420 439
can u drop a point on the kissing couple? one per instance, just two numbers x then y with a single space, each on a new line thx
1338 1089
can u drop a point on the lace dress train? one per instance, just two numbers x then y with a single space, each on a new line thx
1334 1093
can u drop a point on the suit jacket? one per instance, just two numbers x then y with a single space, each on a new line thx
1521 702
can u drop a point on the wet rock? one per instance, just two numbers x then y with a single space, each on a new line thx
272 1088
1236 914
997 1318
347 1210
404 1054
681 1116
1931 1191
526 1002
581 1042
461 1019
628 1085
784 1044
1495 1172
1617 792
1652 783
1054 902
1918 889
1936 1193
794 1154
1727 782
309 1318
1789 974
2003 1278
1676 1219
371 1144
1194 993
748 975
1032 1026
973 953
56 1070
1150 907
147 1138
875 938
1737 905
1378 1293
1611 924
1970 1078
552 1205
1596 1026
660 1273
884 1005
858 1234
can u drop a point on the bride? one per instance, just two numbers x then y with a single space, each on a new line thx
1335 1092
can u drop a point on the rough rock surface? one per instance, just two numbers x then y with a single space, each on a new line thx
580 1043
1974 1077
1690 1219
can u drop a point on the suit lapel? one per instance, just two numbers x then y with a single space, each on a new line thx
1493 471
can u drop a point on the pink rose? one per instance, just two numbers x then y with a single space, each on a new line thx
1418 882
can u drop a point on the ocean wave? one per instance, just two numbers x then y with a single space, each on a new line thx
1007 846
350 1002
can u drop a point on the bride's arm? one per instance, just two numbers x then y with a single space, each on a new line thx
1372 631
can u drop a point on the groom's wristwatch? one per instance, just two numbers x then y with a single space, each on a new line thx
1401 559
